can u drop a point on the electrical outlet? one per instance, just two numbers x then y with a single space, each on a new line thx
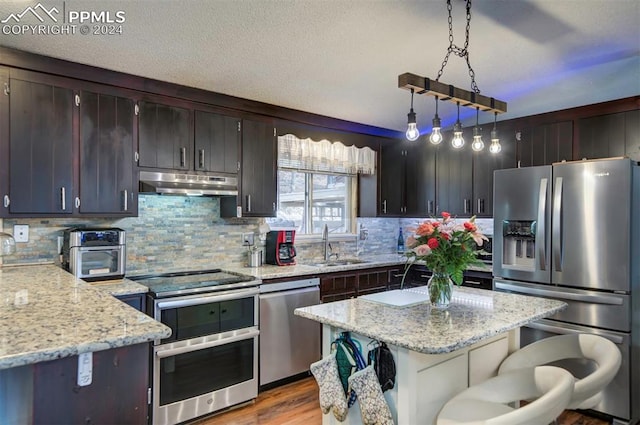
21 232
247 239
364 234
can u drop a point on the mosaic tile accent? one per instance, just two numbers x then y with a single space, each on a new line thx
175 233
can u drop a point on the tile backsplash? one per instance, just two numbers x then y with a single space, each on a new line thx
174 233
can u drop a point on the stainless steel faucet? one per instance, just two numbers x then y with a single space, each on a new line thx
327 246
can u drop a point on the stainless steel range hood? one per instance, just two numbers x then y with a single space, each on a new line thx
188 184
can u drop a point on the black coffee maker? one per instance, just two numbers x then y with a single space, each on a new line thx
279 248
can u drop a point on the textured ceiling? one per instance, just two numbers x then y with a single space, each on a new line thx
342 58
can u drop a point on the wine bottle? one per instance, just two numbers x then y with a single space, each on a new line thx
400 242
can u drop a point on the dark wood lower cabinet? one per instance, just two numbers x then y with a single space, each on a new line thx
137 301
353 283
116 395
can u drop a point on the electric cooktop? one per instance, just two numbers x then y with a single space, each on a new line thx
192 282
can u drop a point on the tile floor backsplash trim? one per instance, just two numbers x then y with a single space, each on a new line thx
173 233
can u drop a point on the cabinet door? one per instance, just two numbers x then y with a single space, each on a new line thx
338 286
4 144
217 140
484 164
610 135
41 147
392 179
164 137
371 281
258 181
545 144
454 180
106 155
420 193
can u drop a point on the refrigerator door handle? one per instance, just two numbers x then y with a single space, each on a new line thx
542 231
592 298
566 331
557 224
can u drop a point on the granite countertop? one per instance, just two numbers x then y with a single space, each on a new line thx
119 287
46 314
267 271
473 315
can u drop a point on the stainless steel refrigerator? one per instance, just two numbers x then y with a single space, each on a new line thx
571 232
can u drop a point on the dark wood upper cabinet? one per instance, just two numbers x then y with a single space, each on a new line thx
41 145
165 137
217 140
610 135
484 164
107 131
257 196
407 179
454 174
545 144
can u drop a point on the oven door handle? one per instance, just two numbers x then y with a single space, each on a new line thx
209 344
566 331
205 299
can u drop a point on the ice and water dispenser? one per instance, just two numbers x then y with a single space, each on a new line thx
519 244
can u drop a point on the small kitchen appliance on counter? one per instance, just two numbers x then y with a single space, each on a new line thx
94 253
280 248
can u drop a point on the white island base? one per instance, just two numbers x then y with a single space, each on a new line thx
425 382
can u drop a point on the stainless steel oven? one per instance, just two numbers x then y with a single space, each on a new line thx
210 361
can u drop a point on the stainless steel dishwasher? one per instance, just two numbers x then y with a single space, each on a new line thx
288 343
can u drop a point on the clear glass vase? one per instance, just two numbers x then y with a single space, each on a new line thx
440 287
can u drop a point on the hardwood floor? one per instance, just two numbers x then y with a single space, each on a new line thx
297 404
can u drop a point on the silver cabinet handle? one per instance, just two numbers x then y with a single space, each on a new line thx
183 156
384 206
63 195
200 158
126 200
248 203
430 209
473 282
77 202
541 233
557 224
467 206
7 201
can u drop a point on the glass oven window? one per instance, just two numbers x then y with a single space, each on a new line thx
207 319
98 262
202 371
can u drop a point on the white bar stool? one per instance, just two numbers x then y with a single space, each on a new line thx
486 403
588 389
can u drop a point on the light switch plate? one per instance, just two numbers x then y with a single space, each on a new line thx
21 232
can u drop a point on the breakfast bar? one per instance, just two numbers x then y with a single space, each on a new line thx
437 353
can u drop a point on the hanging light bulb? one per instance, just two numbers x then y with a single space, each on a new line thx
436 136
477 144
412 131
495 142
457 141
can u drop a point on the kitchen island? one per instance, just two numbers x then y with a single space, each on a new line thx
48 318
437 353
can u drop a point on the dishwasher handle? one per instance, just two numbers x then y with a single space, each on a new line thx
300 291
266 288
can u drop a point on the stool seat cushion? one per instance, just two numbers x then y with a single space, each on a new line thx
492 401
599 350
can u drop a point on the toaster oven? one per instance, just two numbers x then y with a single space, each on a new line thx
94 254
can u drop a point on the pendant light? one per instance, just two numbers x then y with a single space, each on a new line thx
495 142
436 137
458 141
412 131
477 145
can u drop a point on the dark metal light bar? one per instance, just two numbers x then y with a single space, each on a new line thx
423 85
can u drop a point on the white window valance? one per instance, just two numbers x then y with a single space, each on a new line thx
324 156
